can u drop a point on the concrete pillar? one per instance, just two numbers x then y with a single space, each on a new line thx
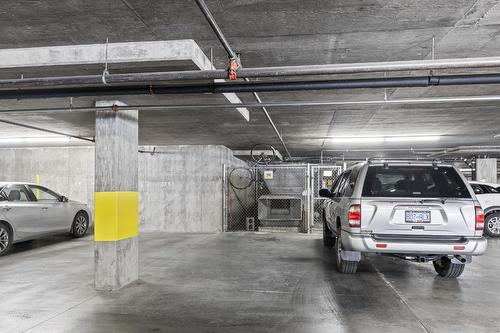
486 170
116 199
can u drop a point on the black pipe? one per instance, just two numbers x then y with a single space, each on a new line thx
227 87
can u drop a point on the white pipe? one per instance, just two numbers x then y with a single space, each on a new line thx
425 100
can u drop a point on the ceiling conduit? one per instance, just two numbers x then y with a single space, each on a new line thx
258 72
226 87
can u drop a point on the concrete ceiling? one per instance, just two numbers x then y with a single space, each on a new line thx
274 33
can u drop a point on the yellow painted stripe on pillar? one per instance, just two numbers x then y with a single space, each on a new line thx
116 215
37 191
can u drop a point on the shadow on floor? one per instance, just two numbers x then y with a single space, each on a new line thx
364 301
44 242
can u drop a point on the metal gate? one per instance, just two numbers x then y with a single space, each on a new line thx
267 198
275 198
322 176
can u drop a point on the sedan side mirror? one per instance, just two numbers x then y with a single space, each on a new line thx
325 193
64 199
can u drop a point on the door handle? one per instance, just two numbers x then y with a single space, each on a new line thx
45 208
6 209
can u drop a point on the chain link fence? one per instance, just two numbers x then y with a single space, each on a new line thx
322 176
274 198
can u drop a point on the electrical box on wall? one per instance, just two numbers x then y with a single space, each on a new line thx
268 174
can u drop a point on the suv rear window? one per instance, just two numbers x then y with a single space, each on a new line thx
414 182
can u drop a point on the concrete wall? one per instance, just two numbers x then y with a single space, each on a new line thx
67 170
180 187
486 170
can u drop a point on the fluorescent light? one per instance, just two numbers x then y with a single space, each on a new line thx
412 138
234 99
379 139
357 140
42 139
244 112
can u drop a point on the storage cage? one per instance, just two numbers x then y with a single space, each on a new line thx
275 197
278 211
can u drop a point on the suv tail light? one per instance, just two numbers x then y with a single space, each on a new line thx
354 216
479 218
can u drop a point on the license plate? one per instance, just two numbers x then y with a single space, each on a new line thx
418 216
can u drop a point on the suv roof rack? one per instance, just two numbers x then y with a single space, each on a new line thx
388 160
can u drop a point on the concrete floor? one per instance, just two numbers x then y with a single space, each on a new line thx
239 282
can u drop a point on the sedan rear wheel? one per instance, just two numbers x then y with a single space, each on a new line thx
80 225
5 239
492 225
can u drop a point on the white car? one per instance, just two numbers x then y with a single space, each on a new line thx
488 195
29 211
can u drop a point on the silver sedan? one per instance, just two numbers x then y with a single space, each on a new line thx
29 211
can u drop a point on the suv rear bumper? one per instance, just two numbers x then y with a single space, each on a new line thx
367 243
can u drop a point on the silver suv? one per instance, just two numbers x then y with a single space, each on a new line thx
421 211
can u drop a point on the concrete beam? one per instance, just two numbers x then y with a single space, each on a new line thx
114 53
89 54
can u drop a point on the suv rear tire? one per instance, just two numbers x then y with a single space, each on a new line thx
445 268
343 266
491 227
328 237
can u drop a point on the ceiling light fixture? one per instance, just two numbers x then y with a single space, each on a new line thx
34 140
234 99
357 140
412 138
379 139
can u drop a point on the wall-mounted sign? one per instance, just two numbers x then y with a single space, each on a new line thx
327 173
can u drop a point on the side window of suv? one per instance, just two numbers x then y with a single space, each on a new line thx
345 184
339 190
336 183
351 182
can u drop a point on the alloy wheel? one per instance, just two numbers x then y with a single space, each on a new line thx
4 239
80 225
493 225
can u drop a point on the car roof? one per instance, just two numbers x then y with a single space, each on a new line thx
15 183
404 162
379 162
484 183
